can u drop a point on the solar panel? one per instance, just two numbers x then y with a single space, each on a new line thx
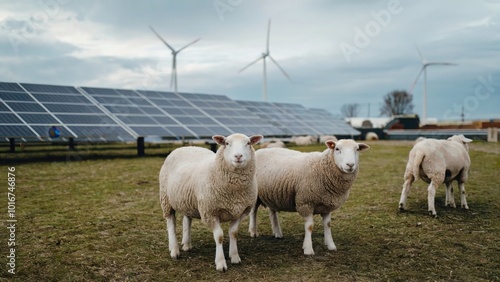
37 108
229 113
295 119
137 112
177 107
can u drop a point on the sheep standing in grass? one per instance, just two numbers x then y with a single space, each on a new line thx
307 183
276 144
216 187
435 162
304 140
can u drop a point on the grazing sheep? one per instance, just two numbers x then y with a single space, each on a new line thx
304 140
371 136
216 187
273 143
324 138
276 144
307 183
435 162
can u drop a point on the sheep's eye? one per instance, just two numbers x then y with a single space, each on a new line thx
337 149
248 143
226 143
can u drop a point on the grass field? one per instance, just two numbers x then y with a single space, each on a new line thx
94 215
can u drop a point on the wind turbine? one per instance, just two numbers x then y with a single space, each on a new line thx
173 79
425 64
263 57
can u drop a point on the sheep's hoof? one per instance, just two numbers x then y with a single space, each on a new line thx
221 267
465 207
175 254
401 207
187 247
236 260
309 252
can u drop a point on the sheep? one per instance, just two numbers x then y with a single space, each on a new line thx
214 187
276 144
420 138
307 183
273 143
371 136
304 140
324 138
437 161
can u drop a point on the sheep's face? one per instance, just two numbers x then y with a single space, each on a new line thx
238 151
346 153
462 140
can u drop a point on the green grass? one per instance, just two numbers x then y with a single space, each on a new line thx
98 218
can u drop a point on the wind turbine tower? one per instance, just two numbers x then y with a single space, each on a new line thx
173 79
263 57
425 64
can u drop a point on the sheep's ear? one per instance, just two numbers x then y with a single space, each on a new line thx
466 140
363 147
331 144
254 139
219 139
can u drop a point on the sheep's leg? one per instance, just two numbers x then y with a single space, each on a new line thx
186 233
252 226
328 232
431 194
450 199
220 260
463 200
172 239
233 237
308 226
405 192
275 224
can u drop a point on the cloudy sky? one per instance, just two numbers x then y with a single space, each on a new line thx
336 52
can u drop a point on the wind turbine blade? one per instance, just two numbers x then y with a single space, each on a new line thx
416 79
250 64
268 35
442 63
163 40
281 69
188 45
419 53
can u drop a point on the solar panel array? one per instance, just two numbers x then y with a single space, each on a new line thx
29 110
295 119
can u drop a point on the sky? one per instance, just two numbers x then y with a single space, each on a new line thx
335 52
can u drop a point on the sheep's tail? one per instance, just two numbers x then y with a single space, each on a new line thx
418 157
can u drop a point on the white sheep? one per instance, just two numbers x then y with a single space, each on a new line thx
420 138
273 143
216 187
437 161
304 140
371 136
276 144
307 183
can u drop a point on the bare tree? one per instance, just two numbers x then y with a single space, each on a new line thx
350 110
397 102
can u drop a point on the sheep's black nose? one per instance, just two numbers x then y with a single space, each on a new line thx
350 164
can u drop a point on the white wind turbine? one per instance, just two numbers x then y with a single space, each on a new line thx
263 57
173 79
425 64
